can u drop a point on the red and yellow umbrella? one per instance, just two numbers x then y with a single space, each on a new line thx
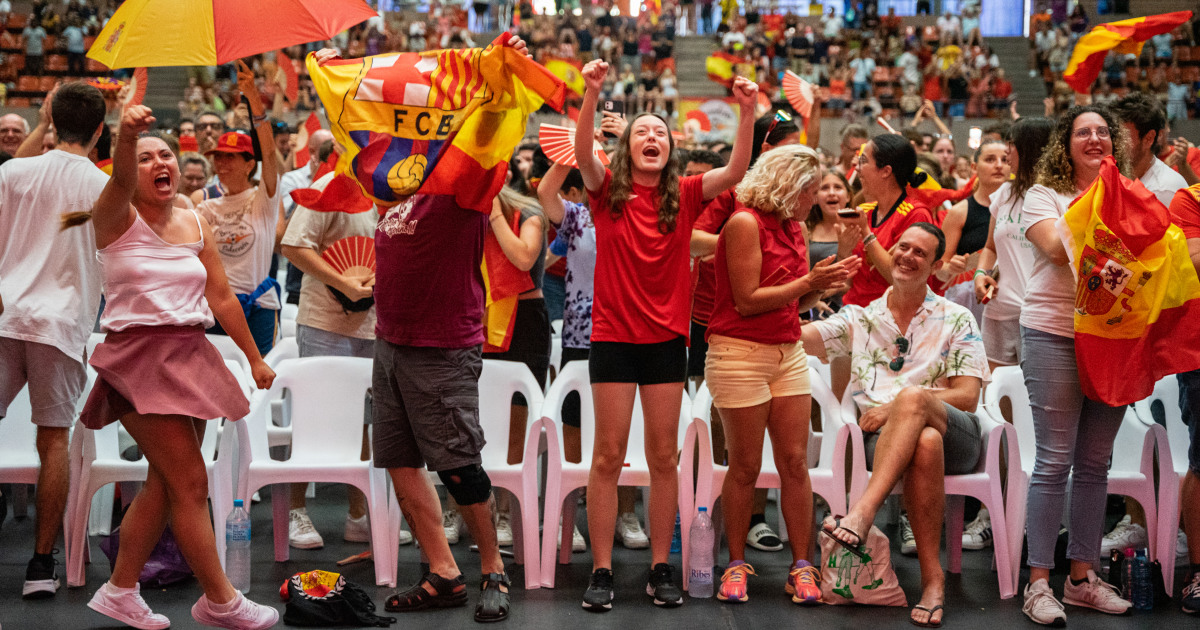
213 32
1124 36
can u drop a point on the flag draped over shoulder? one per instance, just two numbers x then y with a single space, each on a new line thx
1137 300
1123 36
439 122
504 283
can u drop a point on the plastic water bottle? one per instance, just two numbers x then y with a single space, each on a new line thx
237 547
1128 585
700 546
1143 592
676 538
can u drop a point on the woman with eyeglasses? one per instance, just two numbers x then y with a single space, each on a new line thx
643 212
1074 434
756 368
885 167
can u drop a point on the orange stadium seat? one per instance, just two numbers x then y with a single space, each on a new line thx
17 62
47 83
56 63
88 41
18 101
50 43
27 84
17 20
1182 53
95 66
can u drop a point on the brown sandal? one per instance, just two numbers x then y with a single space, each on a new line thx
450 594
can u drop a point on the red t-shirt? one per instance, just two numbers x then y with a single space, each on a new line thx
784 258
704 278
642 292
1185 211
868 285
933 87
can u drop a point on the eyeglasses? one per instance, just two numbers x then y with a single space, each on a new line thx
902 348
210 125
1085 133
780 116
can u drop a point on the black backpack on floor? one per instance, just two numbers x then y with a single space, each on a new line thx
324 599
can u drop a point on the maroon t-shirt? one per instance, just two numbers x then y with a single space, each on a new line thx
428 281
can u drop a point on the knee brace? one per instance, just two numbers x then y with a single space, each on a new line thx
468 485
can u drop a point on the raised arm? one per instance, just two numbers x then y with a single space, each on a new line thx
987 259
113 213
547 192
262 129
718 180
589 165
32 145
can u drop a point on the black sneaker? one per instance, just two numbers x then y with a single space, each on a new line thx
599 594
661 586
41 581
1191 595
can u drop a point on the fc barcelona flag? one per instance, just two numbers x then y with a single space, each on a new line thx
439 122
1137 299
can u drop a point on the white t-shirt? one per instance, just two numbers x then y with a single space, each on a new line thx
1163 181
319 231
1014 255
49 278
831 25
1050 293
243 228
949 24
862 67
910 67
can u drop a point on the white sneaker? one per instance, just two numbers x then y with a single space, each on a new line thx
908 543
240 614
358 530
978 534
629 530
1041 605
128 607
450 524
1181 545
578 544
406 537
504 536
1095 593
1124 535
301 533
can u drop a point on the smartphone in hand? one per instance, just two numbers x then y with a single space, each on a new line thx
614 107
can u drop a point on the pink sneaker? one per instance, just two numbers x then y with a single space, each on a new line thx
239 614
128 607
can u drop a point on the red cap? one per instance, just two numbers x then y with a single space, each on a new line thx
233 142
188 143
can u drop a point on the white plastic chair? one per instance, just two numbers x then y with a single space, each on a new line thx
327 420
19 461
498 381
985 483
1166 398
564 478
229 351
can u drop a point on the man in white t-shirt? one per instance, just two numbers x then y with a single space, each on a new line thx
831 24
51 282
949 26
1146 122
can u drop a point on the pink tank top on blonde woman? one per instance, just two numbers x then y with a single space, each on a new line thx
150 282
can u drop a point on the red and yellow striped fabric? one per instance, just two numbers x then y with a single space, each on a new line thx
1124 36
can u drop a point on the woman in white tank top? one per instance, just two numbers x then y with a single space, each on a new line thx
158 374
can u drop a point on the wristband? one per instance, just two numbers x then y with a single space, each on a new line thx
868 239
978 272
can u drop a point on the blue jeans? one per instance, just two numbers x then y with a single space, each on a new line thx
862 89
957 110
1189 405
1074 438
262 323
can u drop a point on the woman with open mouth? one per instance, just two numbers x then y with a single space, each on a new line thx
643 213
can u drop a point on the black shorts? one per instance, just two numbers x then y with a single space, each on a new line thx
698 352
640 363
530 341
572 354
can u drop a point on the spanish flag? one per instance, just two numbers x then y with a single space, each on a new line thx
503 284
440 122
569 70
1124 36
719 66
1137 299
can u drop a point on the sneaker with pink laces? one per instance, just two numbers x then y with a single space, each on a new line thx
127 606
804 583
238 614
733 582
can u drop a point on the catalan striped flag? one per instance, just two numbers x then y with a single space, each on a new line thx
1123 36
439 122
1137 295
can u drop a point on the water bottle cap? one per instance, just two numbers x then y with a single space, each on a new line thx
237 503
1128 552
703 509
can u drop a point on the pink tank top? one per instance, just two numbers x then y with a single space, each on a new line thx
150 282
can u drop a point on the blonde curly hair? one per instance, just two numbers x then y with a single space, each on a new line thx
1056 171
777 178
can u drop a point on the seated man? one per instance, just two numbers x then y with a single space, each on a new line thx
917 364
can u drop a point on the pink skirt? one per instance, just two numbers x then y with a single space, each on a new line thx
168 370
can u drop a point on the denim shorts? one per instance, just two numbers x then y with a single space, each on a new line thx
1189 405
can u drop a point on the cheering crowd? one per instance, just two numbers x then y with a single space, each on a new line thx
727 265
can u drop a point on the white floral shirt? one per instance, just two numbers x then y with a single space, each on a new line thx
943 341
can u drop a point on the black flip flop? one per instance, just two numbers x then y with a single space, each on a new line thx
855 549
931 611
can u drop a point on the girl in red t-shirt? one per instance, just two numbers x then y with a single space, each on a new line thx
756 368
643 213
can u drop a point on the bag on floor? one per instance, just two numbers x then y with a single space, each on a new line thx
847 579
323 599
165 566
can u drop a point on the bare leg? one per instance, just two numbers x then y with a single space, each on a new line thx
518 415
925 500
478 517
53 485
788 425
1189 511
421 508
614 410
172 443
660 406
747 426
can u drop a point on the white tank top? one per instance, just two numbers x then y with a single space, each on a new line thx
150 282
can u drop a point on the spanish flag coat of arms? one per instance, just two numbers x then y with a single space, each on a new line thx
1137 297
